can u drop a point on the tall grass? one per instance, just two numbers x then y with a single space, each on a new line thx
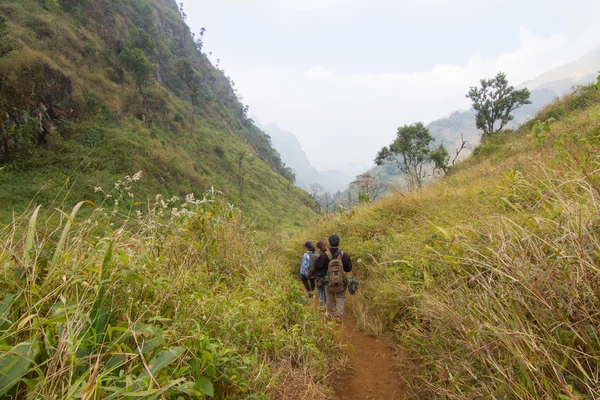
489 280
174 299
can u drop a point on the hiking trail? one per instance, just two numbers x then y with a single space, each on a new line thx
372 376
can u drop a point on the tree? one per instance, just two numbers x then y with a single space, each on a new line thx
315 191
136 61
191 78
409 152
141 40
494 102
369 187
200 40
463 143
7 45
440 159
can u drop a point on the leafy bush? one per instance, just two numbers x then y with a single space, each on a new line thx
166 300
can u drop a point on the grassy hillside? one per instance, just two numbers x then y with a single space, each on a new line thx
180 300
103 89
488 280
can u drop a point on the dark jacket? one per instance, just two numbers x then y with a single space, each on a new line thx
323 261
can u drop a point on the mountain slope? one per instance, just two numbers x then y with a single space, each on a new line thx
460 125
544 89
78 108
294 156
488 279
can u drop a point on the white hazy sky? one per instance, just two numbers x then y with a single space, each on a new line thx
344 74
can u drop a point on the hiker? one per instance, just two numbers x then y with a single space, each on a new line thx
332 265
320 280
309 282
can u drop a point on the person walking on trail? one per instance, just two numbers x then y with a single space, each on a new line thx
332 266
308 281
320 280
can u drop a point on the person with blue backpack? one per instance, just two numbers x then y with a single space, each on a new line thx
307 259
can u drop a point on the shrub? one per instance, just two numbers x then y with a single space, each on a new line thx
165 299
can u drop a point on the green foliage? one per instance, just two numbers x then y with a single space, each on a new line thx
494 102
165 300
488 279
141 40
409 151
73 6
191 78
7 44
136 61
440 159
489 144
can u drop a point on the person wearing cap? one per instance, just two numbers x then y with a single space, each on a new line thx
321 265
308 281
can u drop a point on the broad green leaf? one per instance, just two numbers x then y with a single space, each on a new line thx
30 236
205 386
15 364
158 362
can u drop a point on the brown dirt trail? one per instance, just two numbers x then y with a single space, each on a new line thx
373 376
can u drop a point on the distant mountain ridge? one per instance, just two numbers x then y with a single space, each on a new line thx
293 154
448 130
544 89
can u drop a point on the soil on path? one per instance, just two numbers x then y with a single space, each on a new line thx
373 365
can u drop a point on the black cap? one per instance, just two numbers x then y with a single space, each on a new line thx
308 245
334 240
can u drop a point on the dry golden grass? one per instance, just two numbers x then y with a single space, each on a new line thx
489 277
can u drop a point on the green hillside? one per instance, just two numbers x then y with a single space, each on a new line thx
97 90
488 279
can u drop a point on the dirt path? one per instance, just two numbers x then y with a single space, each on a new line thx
373 365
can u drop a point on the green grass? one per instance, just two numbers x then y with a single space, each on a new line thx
175 298
179 148
488 279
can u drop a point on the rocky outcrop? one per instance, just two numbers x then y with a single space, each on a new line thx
38 97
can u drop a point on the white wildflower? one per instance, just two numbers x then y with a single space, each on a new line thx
137 176
97 189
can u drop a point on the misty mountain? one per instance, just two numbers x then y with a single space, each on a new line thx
293 154
544 89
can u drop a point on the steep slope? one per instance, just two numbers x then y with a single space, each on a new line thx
294 156
460 124
488 279
544 89
104 89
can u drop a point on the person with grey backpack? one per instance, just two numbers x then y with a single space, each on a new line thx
332 266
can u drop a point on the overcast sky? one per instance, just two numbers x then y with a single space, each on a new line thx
344 74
